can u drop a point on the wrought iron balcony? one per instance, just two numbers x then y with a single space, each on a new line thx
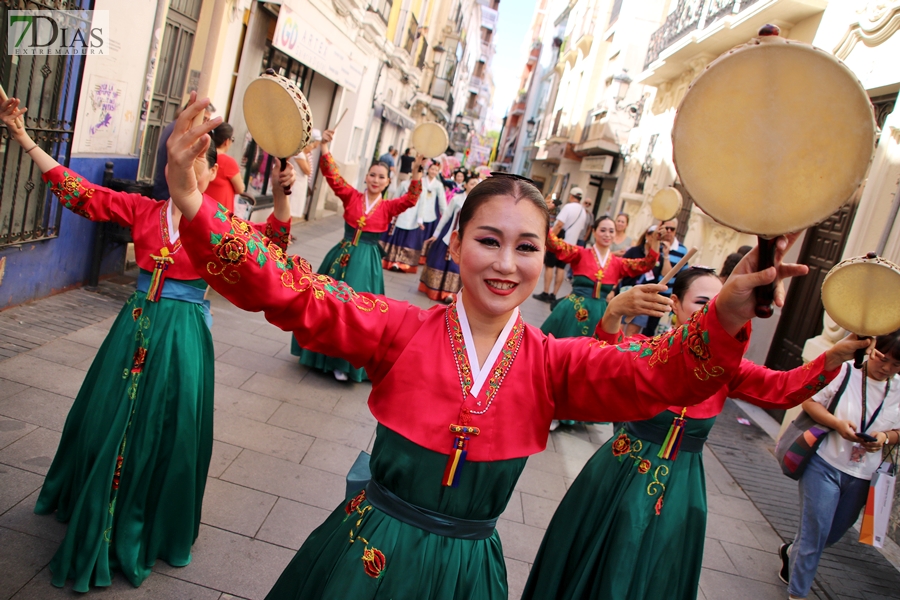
688 16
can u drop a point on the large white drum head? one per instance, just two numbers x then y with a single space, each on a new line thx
863 296
773 137
430 139
277 115
665 204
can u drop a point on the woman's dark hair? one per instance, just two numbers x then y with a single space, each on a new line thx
222 134
685 278
600 219
889 345
380 163
730 263
627 217
499 185
212 155
744 250
406 152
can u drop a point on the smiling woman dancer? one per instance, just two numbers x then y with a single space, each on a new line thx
130 471
633 523
356 259
450 447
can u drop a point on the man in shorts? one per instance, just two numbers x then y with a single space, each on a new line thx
571 221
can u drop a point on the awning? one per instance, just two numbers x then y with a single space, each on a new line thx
397 118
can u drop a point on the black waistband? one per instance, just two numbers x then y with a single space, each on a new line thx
655 435
433 522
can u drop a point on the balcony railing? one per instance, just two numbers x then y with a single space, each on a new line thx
688 16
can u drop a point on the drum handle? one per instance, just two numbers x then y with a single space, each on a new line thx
860 355
765 294
287 190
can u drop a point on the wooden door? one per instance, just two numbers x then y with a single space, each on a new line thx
801 317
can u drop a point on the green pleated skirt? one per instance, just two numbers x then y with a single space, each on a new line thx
359 267
632 525
578 313
130 471
361 553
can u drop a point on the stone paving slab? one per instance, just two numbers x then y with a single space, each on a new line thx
284 438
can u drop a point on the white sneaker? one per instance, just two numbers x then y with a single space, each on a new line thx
554 424
340 375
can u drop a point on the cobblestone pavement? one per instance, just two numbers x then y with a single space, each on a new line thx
284 440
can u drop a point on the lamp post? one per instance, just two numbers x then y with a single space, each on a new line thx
623 82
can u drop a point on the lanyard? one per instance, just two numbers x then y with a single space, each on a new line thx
863 426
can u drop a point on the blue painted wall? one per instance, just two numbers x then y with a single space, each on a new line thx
38 269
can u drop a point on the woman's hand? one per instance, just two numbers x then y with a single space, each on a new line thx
416 166
327 136
847 430
283 180
11 115
843 351
736 303
186 145
876 446
639 300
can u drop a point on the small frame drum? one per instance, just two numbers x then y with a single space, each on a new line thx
430 139
278 115
665 204
862 295
773 137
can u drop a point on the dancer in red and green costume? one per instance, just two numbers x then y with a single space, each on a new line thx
633 523
130 471
449 448
356 259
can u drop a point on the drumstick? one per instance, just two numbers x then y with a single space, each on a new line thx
673 271
4 98
341 118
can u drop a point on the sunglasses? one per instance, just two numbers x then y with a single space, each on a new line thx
512 176
669 228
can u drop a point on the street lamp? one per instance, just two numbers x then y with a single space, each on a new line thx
529 126
624 81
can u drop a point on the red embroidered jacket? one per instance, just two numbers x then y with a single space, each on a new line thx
534 379
584 262
145 217
354 201
754 384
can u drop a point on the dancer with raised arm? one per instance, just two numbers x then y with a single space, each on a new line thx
449 447
356 259
633 523
130 471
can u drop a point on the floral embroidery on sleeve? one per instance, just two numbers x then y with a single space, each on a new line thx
242 243
279 235
690 334
72 193
563 251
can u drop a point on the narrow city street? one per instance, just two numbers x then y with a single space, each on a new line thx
284 440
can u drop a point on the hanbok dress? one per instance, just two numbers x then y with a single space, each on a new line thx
403 243
440 278
356 259
632 524
130 470
578 313
450 447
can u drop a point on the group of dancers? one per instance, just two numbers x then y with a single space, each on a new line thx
130 470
